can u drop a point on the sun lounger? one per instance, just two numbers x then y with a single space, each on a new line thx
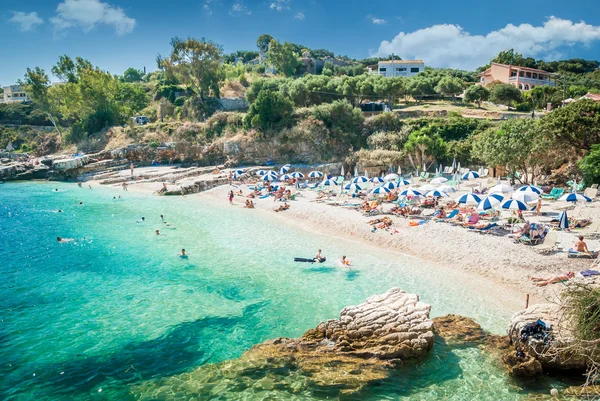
590 231
572 253
484 229
450 216
549 243
554 194
590 192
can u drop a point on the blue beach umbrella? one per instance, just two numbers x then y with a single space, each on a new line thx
297 174
285 177
269 177
390 185
438 180
329 183
380 190
574 197
437 194
403 182
530 188
391 177
285 169
563 221
263 172
410 192
353 187
315 174
239 171
514 205
360 180
377 180
470 175
490 202
237 175
469 199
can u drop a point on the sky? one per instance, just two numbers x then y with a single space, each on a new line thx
118 34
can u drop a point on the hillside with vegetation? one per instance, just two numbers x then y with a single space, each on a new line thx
303 105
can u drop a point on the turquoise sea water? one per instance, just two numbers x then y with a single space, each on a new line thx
116 307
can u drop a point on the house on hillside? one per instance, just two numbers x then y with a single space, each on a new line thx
523 78
592 96
397 68
14 94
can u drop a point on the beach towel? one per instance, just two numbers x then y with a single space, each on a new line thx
589 273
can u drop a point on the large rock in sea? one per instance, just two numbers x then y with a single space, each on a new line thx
555 351
338 357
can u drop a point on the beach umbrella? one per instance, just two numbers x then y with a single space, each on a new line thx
490 202
427 187
269 177
315 174
366 173
574 186
360 179
424 167
403 182
441 168
391 177
480 171
453 164
285 177
237 175
263 172
329 183
342 171
468 199
399 171
458 167
512 204
501 189
563 220
531 189
410 192
390 185
574 197
238 171
353 187
446 188
437 194
380 190
297 174
285 168
377 180
439 180
470 175
355 171
525 197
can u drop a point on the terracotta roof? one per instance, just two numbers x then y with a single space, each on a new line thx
523 68
593 96
403 62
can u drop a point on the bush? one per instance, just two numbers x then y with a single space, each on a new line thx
344 121
270 111
384 122
379 157
525 107
590 166
388 140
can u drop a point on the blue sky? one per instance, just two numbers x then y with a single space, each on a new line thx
117 34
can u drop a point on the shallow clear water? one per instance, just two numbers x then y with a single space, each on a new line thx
117 307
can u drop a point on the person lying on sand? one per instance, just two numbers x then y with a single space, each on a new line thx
283 207
541 282
249 204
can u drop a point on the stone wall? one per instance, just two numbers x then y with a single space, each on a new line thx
233 104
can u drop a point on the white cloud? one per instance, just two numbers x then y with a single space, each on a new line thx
208 6
280 5
27 21
86 14
450 46
299 16
378 21
239 8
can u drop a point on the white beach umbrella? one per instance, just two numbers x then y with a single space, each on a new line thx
574 197
427 187
237 175
424 167
410 192
441 168
501 189
531 189
342 171
399 171
490 202
514 205
563 221
377 180
458 167
439 180
391 177
239 171
353 187
468 199
470 175
355 171
263 172
446 188
269 177
525 197
453 163
390 185
315 174
360 179
366 173
380 190
403 182
437 194
285 177
285 168
329 183
297 174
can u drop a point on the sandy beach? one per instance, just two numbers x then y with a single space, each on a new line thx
494 261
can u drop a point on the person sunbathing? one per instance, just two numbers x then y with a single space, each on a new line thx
283 207
440 214
472 220
581 246
251 195
541 281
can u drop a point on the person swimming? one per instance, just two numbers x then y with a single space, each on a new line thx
319 258
157 232
161 217
345 262
183 255
143 219
60 239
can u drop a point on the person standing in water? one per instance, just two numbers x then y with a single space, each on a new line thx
183 254
345 262
318 257
231 197
131 168
157 232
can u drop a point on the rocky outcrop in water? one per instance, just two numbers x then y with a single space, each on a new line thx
338 356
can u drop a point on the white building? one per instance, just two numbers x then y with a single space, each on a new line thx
13 94
398 68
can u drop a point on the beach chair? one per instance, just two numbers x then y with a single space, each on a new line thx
485 229
585 213
450 216
590 192
590 231
549 243
339 200
554 194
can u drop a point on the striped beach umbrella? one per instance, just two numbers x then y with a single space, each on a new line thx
410 192
446 188
377 180
380 190
437 194
563 220
531 189
390 185
297 174
525 197
285 168
391 177
403 182
329 183
285 177
438 180
574 197
501 189
269 177
238 171
263 172
315 174
360 180
353 187
427 187
490 202
470 175
237 174
514 205
469 199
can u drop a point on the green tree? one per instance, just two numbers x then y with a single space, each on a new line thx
576 125
269 111
590 166
422 148
132 75
505 94
68 70
36 84
195 63
283 57
477 94
263 42
449 86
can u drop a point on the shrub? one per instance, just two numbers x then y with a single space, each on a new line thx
384 122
